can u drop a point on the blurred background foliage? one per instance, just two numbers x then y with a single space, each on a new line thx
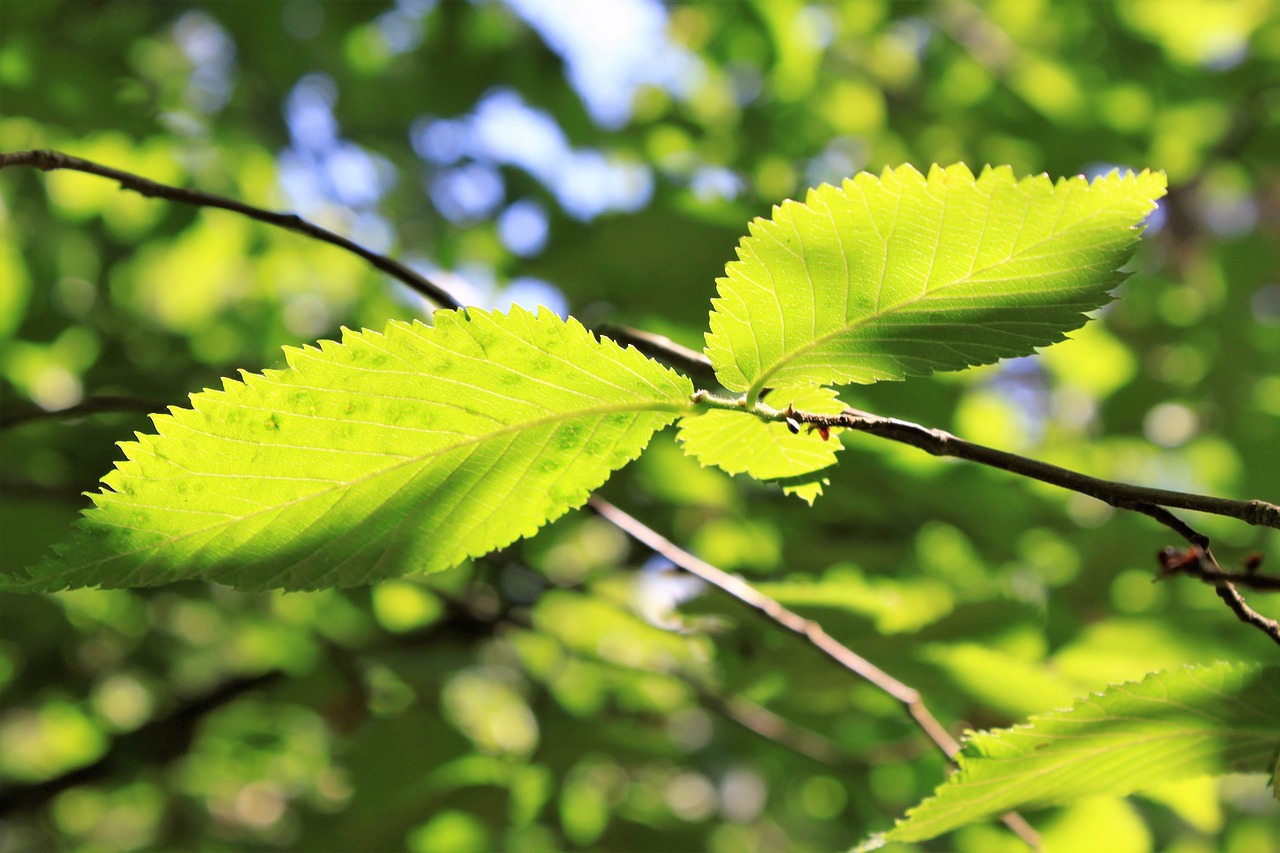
603 158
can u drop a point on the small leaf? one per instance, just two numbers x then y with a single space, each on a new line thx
739 442
1172 725
386 454
900 275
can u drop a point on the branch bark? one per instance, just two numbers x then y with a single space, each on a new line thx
907 696
50 160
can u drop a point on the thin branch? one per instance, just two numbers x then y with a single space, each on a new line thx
1150 502
156 743
910 698
1246 614
1120 495
937 442
50 160
760 721
662 348
1198 561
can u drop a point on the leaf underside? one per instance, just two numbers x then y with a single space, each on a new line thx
1172 725
389 453
898 275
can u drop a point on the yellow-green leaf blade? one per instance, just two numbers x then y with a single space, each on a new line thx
902 274
1173 725
405 451
739 442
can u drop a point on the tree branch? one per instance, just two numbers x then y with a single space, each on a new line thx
1198 561
157 742
50 160
661 348
1119 495
910 698
1149 501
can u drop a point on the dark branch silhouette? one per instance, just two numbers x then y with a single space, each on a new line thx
158 742
50 160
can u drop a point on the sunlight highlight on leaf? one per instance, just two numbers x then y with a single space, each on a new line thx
386 454
739 442
899 275
1176 724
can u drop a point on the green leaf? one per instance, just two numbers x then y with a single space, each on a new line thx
386 454
899 275
1177 724
739 442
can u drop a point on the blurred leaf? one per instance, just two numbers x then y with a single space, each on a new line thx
1000 681
897 605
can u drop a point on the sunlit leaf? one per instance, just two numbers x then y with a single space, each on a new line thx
385 454
738 442
898 275
1172 725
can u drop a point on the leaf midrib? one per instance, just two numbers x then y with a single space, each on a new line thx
648 406
762 381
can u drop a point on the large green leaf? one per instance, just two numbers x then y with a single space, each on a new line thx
1172 725
900 275
388 453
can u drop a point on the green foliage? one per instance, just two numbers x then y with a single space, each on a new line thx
638 719
414 450
902 275
387 453
1174 725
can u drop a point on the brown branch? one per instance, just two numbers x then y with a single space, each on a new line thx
662 348
910 698
50 160
1120 495
764 723
1150 502
1198 561
1246 614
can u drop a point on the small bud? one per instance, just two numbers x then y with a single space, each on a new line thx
793 426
